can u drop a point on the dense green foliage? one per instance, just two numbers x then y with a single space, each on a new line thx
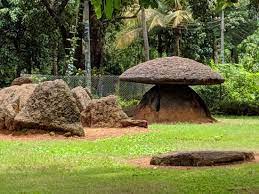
199 39
238 95
250 53
29 39
78 166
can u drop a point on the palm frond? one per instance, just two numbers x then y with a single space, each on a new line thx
157 21
125 39
175 19
154 18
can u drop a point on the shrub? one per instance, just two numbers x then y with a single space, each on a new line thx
238 95
125 104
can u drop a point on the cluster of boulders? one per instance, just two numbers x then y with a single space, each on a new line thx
52 106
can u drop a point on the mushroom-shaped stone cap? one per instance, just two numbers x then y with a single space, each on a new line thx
172 70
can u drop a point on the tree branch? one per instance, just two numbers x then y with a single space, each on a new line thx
128 17
62 6
49 9
57 18
125 17
122 17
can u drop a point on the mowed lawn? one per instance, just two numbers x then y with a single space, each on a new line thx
80 166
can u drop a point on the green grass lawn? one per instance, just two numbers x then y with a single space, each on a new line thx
76 166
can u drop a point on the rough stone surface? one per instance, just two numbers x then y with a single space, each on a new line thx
88 92
2 119
172 104
172 70
68 134
134 123
51 107
10 94
202 158
12 100
104 112
52 133
81 96
21 80
10 112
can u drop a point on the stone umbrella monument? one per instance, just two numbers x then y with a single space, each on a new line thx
171 100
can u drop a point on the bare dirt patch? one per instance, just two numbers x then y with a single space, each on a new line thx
144 162
92 134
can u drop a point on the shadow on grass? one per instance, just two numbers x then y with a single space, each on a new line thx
90 180
124 179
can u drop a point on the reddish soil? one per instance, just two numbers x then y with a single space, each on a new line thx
91 134
145 163
94 134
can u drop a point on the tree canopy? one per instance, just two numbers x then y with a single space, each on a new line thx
45 37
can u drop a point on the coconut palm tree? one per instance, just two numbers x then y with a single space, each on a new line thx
145 34
135 28
170 14
177 17
221 5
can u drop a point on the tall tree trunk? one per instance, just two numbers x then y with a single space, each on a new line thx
177 42
18 71
215 51
86 43
222 37
145 34
234 55
79 54
97 32
160 44
17 45
28 61
56 14
55 60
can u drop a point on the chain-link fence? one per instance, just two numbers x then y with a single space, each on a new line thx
216 97
101 86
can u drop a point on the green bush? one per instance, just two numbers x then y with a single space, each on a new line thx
239 94
249 52
128 103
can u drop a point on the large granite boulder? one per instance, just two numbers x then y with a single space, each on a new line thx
202 158
104 112
51 107
82 97
12 100
22 80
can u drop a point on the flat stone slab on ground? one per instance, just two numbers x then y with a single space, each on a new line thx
202 158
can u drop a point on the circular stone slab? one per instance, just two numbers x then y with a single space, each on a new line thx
172 70
202 158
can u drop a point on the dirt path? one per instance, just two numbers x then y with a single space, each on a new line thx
91 134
